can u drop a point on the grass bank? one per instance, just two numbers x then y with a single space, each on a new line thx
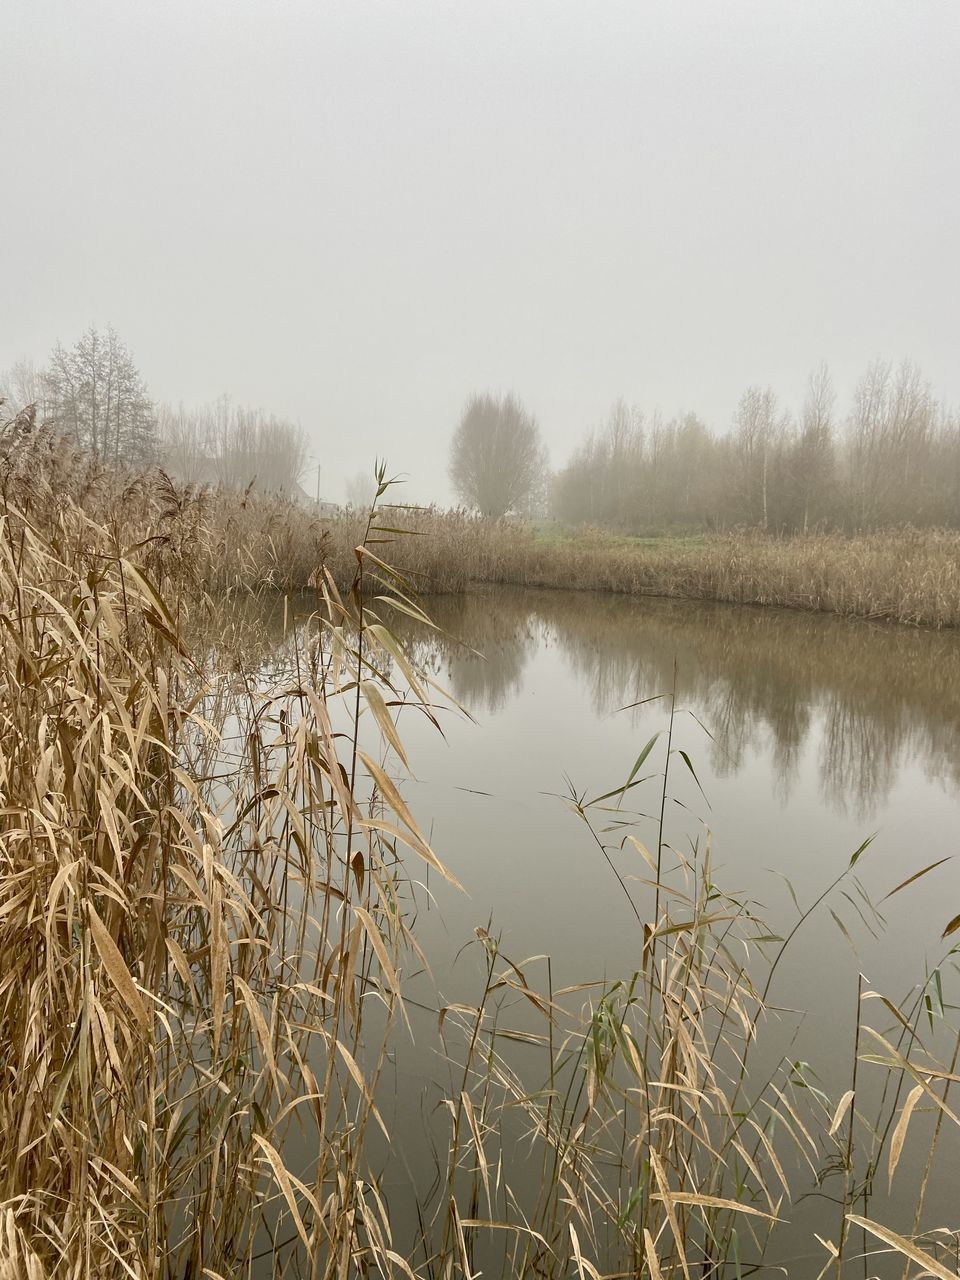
899 575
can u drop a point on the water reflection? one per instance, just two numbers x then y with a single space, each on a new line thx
816 704
486 675
867 699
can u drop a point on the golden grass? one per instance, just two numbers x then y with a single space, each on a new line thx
205 937
223 542
898 575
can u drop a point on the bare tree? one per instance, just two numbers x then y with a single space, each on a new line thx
891 436
95 392
601 482
758 429
640 473
497 459
281 454
22 385
234 446
899 462
361 489
944 469
184 444
813 462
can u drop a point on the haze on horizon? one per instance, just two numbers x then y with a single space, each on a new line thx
356 214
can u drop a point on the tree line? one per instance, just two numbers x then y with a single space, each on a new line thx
891 458
94 393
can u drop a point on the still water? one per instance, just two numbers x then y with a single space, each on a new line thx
807 734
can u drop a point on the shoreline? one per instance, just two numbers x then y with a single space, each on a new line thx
902 576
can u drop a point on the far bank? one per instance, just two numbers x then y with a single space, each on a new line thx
905 576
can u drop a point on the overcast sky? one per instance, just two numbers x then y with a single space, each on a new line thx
355 214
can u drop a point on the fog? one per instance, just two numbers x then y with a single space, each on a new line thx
358 214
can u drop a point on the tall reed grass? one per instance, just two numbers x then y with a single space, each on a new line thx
221 541
910 576
206 932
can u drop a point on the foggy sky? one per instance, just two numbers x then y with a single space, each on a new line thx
355 214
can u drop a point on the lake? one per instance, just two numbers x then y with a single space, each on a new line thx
806 735
796 737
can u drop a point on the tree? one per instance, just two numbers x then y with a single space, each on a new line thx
184 446
234 446
639 473
22 385
95 392
497 460
757 430
361 490
891 433
251 447
683 491
813 454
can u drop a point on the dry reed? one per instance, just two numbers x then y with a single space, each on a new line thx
222 541
205 934
910 576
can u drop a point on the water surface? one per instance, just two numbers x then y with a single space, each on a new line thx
806 733
803 734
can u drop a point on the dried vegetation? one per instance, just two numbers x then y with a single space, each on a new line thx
206 887
906 575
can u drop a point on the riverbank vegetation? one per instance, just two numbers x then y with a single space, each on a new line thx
907 575
228 540
887 459
209 884
853 512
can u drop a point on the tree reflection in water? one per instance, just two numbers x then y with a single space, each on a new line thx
883 695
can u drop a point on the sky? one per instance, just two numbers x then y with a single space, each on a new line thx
356 214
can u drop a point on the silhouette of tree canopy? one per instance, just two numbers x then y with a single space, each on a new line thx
497 460
892 458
